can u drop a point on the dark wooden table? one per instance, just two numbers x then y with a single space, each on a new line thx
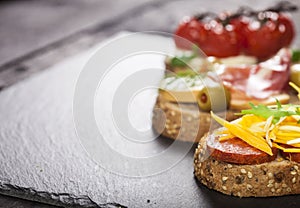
37 34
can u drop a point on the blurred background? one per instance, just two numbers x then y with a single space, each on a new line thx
36 34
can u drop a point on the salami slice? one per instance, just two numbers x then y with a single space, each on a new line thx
237 151
291 156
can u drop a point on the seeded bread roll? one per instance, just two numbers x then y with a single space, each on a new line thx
276 178
182 121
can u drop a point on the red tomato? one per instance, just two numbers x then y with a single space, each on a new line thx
264 39
188 33
286 25
212 38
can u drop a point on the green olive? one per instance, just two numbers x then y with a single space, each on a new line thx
215 98
295 74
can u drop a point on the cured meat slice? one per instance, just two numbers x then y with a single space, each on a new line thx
237 151
291 156
262 80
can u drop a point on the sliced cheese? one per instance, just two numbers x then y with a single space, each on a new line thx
291 150
294 141
238 131
184 96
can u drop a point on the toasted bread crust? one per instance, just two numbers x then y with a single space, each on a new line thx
244 104
182 121
276 178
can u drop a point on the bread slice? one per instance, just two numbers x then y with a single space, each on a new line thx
276 178
240 104
182 121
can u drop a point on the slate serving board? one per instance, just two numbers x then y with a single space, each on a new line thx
43 159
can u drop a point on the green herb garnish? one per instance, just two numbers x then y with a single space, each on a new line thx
182 61
266 112
187 73
296 55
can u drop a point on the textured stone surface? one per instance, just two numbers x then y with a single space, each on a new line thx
30 25
12 202
43 159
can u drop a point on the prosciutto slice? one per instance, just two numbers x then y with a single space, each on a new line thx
262 80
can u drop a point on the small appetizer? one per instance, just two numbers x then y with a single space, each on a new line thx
255 155
183 105
248 49
248 59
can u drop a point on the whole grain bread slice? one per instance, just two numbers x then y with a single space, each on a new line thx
276 178
183 121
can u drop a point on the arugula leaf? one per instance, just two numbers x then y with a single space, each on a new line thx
279 106
265 112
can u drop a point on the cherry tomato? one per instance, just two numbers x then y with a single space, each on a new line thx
287 26
265 38
188 33
261 36
211 37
